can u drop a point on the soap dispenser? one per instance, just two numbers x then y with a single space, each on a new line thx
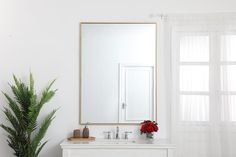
86 132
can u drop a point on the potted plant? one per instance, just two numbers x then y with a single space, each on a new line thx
24 133
149 127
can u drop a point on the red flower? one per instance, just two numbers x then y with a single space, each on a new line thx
148 126
150 129
143 129
155 128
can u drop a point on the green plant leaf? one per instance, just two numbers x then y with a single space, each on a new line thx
14 107
9 130
31 84
43 128
40 148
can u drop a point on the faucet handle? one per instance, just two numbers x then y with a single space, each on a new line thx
108 134
126 134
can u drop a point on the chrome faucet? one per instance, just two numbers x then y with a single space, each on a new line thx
126 134
117 133
108 134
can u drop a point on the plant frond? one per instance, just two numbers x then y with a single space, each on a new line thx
33 114
43 129
14 107
17 82
12 119
22 96
9 130
47 94
40 148
31 84
50 85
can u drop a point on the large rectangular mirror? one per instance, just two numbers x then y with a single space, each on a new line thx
117 72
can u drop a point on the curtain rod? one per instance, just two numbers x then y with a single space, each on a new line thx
223 14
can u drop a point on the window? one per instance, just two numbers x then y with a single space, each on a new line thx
228 77
205 76
194 77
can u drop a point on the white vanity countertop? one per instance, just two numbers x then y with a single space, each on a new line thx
130 143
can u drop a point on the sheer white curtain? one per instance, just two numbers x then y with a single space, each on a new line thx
204 85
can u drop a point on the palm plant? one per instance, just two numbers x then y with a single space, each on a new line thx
24 134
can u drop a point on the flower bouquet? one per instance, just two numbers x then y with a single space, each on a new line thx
149 127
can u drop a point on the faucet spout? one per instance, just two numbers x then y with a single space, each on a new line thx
117 133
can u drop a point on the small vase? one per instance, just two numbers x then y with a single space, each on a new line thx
149 135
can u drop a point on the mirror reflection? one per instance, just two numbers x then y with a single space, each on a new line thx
117 72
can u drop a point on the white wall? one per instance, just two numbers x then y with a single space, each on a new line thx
42 36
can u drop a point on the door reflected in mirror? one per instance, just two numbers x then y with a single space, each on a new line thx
117 72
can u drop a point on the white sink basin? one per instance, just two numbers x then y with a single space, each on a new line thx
114 142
